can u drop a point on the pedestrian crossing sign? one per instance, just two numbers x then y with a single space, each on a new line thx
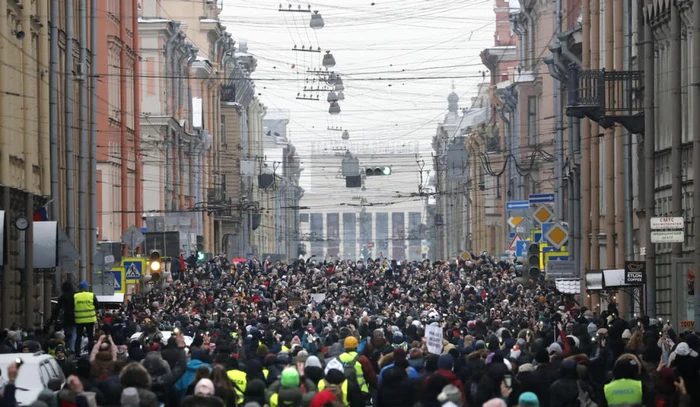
133 268
119 280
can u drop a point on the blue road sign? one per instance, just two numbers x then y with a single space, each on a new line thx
133 269
545 229
521 248
514 205
118 281
541 198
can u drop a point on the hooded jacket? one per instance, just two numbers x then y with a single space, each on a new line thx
188 377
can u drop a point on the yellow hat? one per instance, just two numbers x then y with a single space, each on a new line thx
350 342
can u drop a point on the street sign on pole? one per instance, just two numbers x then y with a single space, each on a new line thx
542 214
513 243
557 235
541 199
667 236
514 205
562 269
133 268
514 221
521 248
133 238
667 223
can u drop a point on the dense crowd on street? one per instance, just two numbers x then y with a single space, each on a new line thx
353 333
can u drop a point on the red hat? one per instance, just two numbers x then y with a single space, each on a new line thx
322 398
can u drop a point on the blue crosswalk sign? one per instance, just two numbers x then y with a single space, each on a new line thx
133 269
117 281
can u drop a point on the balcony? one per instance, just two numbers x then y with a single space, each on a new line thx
607 98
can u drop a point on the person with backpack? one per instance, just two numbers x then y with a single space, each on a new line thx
346 391
357 367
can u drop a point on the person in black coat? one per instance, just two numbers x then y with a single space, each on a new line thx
64 310
396 388
564 391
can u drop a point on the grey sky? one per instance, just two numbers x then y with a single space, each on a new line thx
423 45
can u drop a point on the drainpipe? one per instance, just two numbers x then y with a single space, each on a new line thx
53 127
30 157
595 156
626 227
84 144
68 124
696 153
676 121
93 130
45 143
138 170
508 158
585 148
609 149
650 163
558 127
124 134
181 80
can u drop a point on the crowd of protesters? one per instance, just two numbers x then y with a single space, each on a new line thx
353 333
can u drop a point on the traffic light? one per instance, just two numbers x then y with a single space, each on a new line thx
533 262
155 264
377 171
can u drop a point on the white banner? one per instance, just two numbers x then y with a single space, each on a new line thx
434 339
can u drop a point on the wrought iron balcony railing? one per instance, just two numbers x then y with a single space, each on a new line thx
607 97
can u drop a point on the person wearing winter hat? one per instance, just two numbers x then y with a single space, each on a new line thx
288 390
625 389
364 372
528 399
400 357
313 369
445 366
450 393
346 391
204 387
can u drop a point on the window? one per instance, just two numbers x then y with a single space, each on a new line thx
222 131
114 81
532 120
130 94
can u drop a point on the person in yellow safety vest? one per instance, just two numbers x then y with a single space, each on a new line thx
86 305
351 360
290 391
399 341
239 379
345 391
625 389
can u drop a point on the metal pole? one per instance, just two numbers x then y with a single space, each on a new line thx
93 131
584 143
628 171
558 128
30 158
68 124
649 165
138 165
696 155
578 247
677 121
595 156
125 144
53 120
84 144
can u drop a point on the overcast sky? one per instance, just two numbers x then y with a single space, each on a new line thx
398 60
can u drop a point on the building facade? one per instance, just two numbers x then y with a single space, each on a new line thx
119 165
25 161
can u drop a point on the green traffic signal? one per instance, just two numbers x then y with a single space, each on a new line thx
200 256
378 171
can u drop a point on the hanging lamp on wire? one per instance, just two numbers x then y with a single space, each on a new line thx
328 60
332 97
334 108
346 135
331 78
341 95
339 84
316 21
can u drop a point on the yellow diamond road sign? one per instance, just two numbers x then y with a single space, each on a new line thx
543 214
514 221
557 236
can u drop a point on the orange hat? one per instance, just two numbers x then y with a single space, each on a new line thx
350 342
